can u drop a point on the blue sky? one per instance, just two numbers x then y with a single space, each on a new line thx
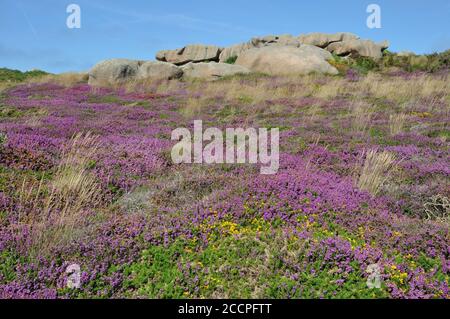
33 34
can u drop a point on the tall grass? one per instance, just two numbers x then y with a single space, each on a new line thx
59 209
193 107
65 79
361 115
397 123
375 171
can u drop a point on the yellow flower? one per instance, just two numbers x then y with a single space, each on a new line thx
397 234
229 227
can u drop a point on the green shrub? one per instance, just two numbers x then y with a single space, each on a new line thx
9 75
428 63
3 138
364 64
341 64
438 61
231 59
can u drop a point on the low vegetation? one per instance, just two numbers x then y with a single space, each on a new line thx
85 178
8 75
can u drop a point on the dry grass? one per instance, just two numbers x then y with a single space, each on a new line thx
313 113
262 89
59 208
193 107
73 186
375 171
65 79
361 114
330 90
402 91
154 86
4 86
397 123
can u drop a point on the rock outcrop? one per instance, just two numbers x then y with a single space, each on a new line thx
285 60
190 53
212 70
237 49
113 71
322 40
341 43
357 47
271 54
117 71
159 71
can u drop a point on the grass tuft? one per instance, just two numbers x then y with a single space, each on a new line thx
375 171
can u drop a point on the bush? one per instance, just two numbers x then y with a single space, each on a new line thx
364 64
426 63
8 75
341 64
231 59
438 61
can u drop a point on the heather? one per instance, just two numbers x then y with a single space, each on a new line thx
86 177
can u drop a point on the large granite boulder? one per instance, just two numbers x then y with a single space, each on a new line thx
322 40
284 39
258 42
113 71
159 71
357 47
234 51
212 70
285 60
190 53
341 43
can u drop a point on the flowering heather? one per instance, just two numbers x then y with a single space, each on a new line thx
160 230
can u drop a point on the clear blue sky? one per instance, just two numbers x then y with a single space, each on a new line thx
33 34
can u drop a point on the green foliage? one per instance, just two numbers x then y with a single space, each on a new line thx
245 99
231 59
438 61
3 138
238 264
9 75
341 64
364 65
427 63
444 134
8 262
228 112
410 63
9 112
